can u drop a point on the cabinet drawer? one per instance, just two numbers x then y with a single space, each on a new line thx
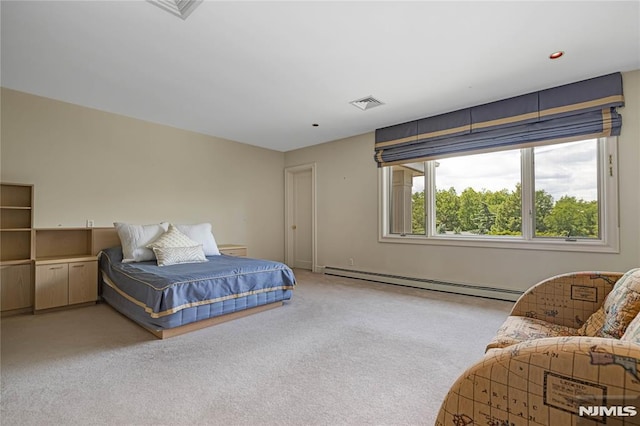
83 282
52 285
238 251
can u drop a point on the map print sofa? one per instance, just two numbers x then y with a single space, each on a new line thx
568 354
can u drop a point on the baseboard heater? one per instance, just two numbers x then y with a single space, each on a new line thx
428 284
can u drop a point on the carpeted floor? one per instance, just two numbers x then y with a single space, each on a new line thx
341 352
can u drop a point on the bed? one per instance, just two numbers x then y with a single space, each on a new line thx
175 299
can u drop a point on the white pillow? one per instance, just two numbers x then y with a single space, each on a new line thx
134 238
173 238
201 233
173 255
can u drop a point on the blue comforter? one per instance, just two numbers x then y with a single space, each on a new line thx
164 290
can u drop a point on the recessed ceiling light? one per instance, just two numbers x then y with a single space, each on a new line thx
556 55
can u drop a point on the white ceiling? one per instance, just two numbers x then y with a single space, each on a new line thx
263 72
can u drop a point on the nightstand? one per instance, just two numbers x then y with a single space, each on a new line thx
233 250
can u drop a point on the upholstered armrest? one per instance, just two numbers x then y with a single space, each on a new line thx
567 299
544 381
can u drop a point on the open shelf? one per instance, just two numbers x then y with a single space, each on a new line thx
58 243
14 195
15 217
15 245
16 221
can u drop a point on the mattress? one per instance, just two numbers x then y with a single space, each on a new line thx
164 297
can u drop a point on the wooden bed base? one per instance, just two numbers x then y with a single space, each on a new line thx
176 331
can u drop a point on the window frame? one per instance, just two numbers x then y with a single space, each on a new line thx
608 211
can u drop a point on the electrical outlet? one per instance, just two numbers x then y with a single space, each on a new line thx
351 261
89 223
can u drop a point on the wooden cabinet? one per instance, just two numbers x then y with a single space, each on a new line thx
65 283
16 289
52 286
83 282
16 251
66 270
233 250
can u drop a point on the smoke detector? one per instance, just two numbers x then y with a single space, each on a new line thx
366 103
179 8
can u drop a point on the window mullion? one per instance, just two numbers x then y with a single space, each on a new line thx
608 191
527 193
430 198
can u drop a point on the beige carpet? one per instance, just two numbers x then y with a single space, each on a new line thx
341 352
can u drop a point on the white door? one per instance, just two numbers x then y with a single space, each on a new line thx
300 221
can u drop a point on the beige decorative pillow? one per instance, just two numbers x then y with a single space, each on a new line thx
620 307
173 238
173 255
593 326
632 334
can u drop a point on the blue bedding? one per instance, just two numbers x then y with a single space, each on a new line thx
169 296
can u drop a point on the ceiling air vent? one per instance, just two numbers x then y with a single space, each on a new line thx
366 103
180 8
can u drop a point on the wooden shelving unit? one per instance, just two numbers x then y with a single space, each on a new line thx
44 268
66 269
16 248
66 265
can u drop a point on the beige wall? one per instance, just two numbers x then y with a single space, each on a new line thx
347 198
88 164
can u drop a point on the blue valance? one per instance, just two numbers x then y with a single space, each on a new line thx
586 109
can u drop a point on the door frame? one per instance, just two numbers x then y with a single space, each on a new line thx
289 201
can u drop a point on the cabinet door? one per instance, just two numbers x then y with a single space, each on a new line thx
52 285
17 291
83 282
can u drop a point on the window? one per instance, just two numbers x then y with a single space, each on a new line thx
566 190
560 196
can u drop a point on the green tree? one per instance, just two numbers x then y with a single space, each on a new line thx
591 218
495 199
544 206
500 213
572 218
508 219
470 207
418 217
447 208
483 219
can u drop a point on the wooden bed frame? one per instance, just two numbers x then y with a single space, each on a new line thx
103 238
197 325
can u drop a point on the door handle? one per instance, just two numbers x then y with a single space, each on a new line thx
294 227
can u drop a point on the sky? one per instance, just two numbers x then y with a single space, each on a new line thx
567 169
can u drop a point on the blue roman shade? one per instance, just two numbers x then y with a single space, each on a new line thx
586 109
